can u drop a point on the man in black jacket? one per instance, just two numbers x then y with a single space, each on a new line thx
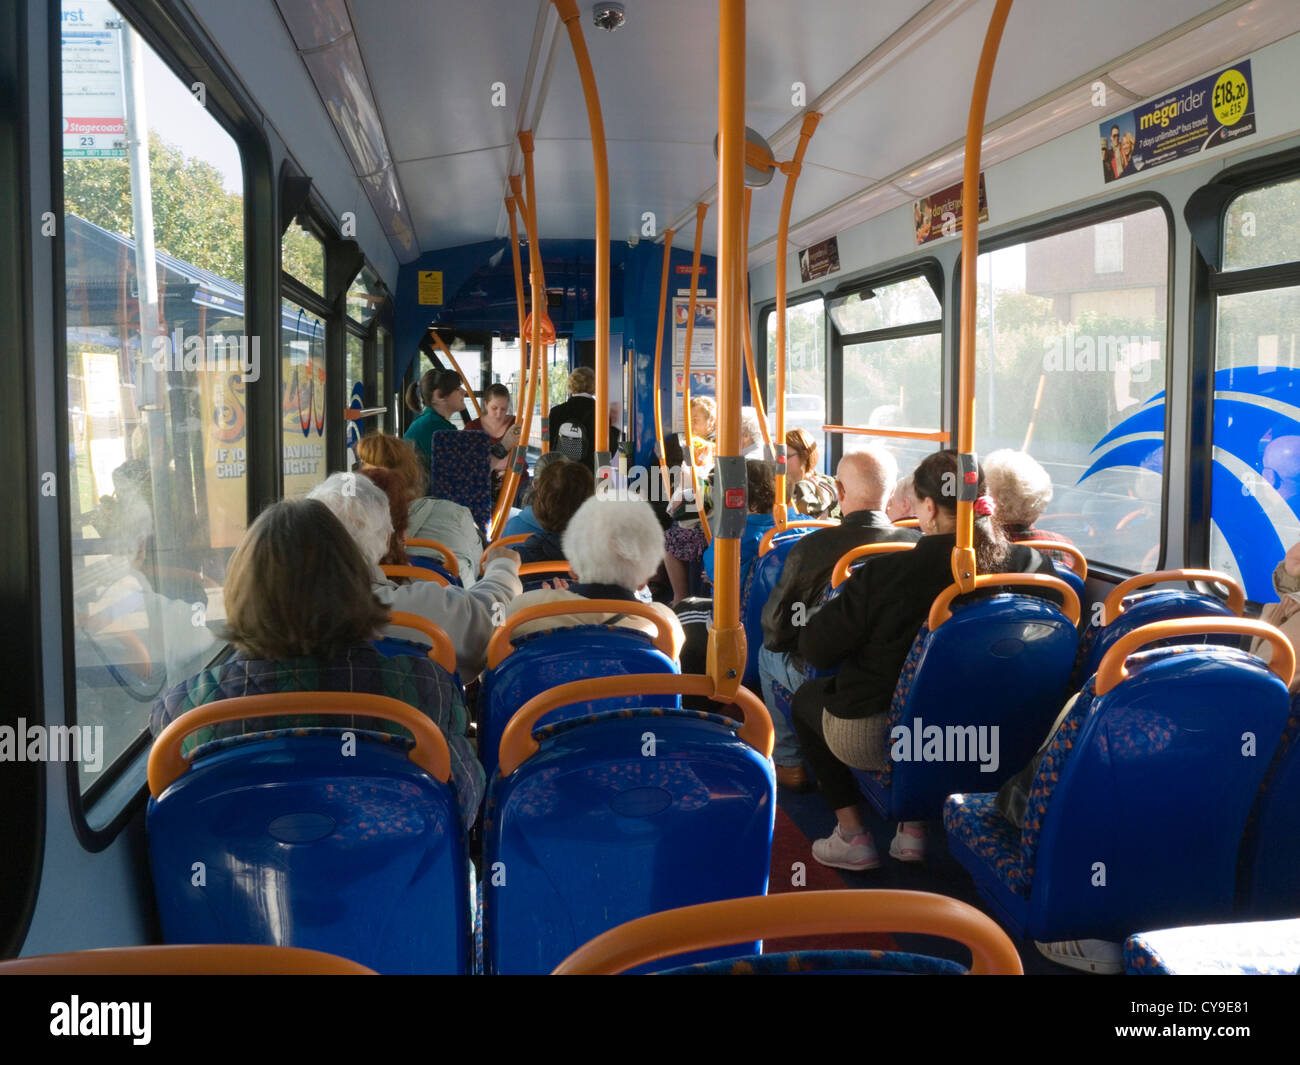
863 481
573 422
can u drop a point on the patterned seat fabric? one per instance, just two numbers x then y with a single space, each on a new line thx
979 824
1257 948
901 690
1046 779
822 961
460 470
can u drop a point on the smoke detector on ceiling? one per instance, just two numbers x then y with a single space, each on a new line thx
608 15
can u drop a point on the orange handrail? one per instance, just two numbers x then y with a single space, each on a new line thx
532 569
415 573
1081 563
908 523
568 12
469 389
441 649
500 647
502 541
939 612
805 913
749 343
511 204
791 171
518 745
1114 605
964 566
1111 670
449 562
840 573
430 752
666 486
938 435
202 959
548 330
701 209
765 542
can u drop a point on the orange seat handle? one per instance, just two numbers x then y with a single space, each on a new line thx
765 544
803 913
908 523
1114 606
449 562
940 609
430 752
415 573
441 649
500 647
1080 563
504 541
840 573
1112 671
206 959
555 569
518 745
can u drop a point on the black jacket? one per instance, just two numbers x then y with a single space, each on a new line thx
807 571
869 628
580 412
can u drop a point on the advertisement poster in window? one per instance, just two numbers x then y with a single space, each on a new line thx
703 351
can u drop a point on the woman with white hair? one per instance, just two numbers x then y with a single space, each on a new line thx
464 614
613 546
1021 490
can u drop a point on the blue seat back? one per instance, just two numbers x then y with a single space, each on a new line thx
276 838
545 660
460 470
1270 852
615 818
425 562
988 683
1071 578
1142 825
763 574
1146 608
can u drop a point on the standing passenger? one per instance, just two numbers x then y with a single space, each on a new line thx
442 394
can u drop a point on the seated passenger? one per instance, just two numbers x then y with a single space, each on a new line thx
525 521
613 546
394 488
437 396
807 489
1285 614
301 614
861 481
1021 490
428 519
751 437
464 614
901 504
561 489
762 495
867 631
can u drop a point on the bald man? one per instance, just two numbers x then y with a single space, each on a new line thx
863 481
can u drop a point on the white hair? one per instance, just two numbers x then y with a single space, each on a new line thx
362 507
614 541
750 427
1020 487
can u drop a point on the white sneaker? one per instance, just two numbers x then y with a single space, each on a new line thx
1088 955
857 854
908 844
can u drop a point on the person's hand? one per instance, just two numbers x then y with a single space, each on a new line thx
1292 561
501 552
512 435
559 584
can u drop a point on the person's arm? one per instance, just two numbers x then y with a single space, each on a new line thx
838 628
779 630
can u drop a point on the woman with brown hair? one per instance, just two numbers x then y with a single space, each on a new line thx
394 487
502 429
809 490
301 612
561 489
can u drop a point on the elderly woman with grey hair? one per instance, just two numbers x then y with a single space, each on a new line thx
1021 490
613 546
465 615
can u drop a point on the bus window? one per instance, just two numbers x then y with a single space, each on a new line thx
805 370
1255 485
1076 324
157 366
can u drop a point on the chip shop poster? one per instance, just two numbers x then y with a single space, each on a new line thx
1205 114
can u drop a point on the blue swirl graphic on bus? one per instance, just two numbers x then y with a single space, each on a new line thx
1255 482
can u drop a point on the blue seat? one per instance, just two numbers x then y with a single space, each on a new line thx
1258 948
762 577
541 661
1270 851
595 821
460 470
987 682
424 562
1137 808
275 838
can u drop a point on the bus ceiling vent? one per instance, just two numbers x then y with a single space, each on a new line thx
608 16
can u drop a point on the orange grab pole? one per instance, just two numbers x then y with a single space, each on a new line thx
1080 563
749 343
1114 606
473 395
518 745
568 11
1111 670
543 382
791 171
511 205
939 612
840 573
963 555
205 959
440 649
701 209
938 435
499 647
806 913
658 377
166 762
726 655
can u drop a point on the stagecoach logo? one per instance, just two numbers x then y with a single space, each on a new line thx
220 353
57 743
102 1018
945 743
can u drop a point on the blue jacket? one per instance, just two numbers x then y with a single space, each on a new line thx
755 526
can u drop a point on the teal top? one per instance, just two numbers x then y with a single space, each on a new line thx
422 429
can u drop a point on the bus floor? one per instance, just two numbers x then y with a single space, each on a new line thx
800 819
